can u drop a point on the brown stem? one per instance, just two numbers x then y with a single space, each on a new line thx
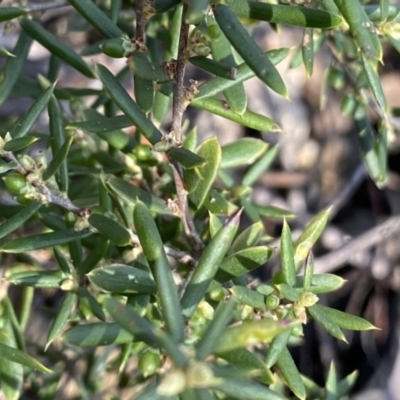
140 21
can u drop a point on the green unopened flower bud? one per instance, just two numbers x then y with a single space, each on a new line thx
247 312
15 182
272 301
202 50
200 375
214 31
298 309
148 363
81 223
348 104
307 299
118 47
206 310
297 330
281 312
217 294
27 162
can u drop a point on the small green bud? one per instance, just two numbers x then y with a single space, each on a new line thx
143 152
272 301
247 312
348 104
27 162
214 31
200 375
336 78
149 362
69 284
281 312
113 48
298 310
217 294
15 182
297 330
173 383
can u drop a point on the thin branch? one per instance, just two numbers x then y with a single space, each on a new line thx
140 21
371 238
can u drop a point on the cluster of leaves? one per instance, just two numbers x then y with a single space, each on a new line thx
113 205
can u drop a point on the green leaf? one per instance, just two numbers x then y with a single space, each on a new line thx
5 52
248 364
322 283
307 50
25 123
132 194
319 315
118 278
248 238
101 124
208 265
331 389
57 140
51 43
310 235
143 68
248 296
273 212
371 71
288 266
186 158
144 94
242 262
345 320
308 271
61 318
214 67
13 67
8 13
242 152
211 152
347 383
162 6
214 329
248 50
41 241
288 15
275 348
291 373
58 159
112 230
127 105
97 334
196 11
288 292
236 94
88 301
93 258
248 118
97 18
38 278
241 389
361 28
18 219
7 166
250 333
215 224
143 330
244 72
20 143
260 166
19 357
153 249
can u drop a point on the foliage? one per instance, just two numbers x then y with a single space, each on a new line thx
144 227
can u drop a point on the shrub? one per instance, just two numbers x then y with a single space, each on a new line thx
141 228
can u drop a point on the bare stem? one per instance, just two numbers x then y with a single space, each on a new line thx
140 21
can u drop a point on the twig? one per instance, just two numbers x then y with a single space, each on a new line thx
374 236
140 21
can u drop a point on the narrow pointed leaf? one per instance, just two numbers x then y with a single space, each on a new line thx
248 118
244 72
242 262
25 123
153 249
41 241
58 159
143 68
241 389
93 258
215 224
13 67
208 265
112 230
8 13
248 238
38 279
97 18
308 271
273 212
209 339
307 50
347 383
20 143
62 316
127 105
5 52
55 46
118 278
97 334
282 14
248 296
291 374
101 124
132 194
310 235
275 348
87 300
322 283
211 152
331 389
345 320
196 11
214 67
319 315
18 219
288 266
260 166
186 158
242 152
247 48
